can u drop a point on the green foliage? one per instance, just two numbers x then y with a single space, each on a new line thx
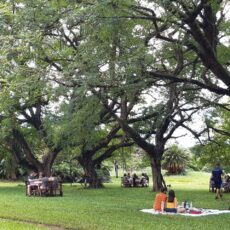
82 118
104 174
8 166
175 160
129 159
68 171
217 150
194 164
223 54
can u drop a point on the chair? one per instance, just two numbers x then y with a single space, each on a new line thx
57 188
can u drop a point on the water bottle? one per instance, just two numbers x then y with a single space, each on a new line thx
187 205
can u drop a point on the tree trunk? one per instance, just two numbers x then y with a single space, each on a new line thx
156 173
47 169
12 176
90 173
116 169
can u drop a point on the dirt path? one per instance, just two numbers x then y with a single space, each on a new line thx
50 226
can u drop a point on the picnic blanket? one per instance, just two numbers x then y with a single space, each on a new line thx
204 212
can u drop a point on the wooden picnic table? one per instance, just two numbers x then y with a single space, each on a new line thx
44 186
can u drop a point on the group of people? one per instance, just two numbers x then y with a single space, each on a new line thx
38 182
134 180
167 203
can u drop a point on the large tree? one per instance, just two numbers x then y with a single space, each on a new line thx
121 51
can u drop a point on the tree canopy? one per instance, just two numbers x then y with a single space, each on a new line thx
93 76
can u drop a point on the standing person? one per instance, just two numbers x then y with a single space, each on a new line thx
217 172
160 199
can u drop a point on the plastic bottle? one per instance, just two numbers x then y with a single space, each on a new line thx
187 205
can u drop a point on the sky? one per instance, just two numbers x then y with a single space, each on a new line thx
187 141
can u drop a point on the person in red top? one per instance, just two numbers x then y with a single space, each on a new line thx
160 199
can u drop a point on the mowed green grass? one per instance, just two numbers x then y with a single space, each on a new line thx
113 207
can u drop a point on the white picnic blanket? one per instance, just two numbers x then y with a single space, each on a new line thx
204 212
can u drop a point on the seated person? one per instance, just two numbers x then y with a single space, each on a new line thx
33 175
160 200
126 180
54 179
135 180
144 180
48 184
171 204
226 184
212 184
32 183
44 182
129 179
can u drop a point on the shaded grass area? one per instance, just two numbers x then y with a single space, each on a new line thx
114 207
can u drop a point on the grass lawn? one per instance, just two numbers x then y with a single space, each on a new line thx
111 208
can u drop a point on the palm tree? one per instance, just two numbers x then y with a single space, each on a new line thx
175 160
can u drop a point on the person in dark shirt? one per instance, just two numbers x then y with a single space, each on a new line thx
217 172
135 180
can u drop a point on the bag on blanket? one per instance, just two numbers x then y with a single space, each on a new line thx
194 211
